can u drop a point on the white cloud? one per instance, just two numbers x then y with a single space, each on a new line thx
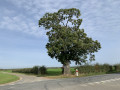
39 7
17 23
98 16
101 20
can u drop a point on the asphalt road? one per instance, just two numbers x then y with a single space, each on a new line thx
99 82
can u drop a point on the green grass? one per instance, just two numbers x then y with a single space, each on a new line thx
9 71
92 74
6 78
56 71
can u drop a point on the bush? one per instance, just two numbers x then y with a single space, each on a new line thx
35 70
43 70
97 68
25 70
117 67
86 69
107 68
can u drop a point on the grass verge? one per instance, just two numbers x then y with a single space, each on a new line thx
6 78
73 75
55 73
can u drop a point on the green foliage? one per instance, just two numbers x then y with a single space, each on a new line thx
117 67
57 71
86 69
25 70
35 70
54 71
97 68
106 68
66 41
43 70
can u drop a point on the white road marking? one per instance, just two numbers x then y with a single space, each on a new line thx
97 82
91 83
84 85
101 82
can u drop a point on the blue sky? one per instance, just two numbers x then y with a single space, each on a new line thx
22 42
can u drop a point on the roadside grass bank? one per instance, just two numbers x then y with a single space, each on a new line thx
73 75
7 78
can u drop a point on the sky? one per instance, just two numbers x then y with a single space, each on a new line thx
22 41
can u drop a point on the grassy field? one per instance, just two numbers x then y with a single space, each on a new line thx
56 71
6 78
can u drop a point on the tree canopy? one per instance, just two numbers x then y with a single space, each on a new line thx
67 42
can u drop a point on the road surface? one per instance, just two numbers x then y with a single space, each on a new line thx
99 82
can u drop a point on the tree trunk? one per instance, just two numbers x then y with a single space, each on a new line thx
67 69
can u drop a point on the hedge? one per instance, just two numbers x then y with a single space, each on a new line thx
35 70
95 68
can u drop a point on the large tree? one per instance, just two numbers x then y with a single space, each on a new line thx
67 42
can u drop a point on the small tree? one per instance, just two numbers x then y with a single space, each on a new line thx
35 69
43 70
67 42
